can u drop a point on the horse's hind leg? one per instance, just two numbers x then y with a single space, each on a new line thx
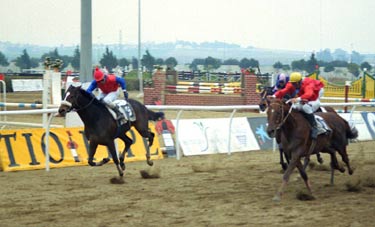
128 142
345 158
303 174
145 133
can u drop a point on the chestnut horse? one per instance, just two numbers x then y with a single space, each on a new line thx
263 104
294 132
101 128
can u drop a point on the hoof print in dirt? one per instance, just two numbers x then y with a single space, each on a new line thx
117 180
149 175
303 196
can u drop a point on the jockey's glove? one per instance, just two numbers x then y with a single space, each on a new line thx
126 95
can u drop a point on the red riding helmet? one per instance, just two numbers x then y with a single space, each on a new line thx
98 75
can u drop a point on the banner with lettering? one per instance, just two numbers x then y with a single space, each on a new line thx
24 149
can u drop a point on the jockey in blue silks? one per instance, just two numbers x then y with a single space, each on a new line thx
281 80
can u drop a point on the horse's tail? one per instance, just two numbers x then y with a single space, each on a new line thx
351 130
154 116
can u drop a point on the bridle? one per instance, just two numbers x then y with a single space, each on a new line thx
283 119
70 105
263 98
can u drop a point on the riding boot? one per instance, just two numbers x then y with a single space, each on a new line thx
314 130
119 115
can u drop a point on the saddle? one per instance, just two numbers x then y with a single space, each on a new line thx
126 109
321 125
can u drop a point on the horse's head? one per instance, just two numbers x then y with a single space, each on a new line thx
263 98
277 112
70 100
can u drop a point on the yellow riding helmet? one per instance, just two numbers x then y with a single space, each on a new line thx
295 77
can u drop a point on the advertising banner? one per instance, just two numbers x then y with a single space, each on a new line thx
209 136
259 125
359 121
24 149
369 118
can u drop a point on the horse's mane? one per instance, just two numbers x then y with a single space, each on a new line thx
267 90
153 116
90 96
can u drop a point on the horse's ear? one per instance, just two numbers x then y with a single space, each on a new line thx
77 85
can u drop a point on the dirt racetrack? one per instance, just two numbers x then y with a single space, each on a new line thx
214 190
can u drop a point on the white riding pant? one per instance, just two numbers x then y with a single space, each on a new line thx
311 106
108 98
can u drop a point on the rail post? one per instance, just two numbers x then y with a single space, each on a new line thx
347 85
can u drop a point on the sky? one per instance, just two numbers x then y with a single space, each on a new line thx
303 25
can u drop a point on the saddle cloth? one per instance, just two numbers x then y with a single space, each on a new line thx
321 125
126 109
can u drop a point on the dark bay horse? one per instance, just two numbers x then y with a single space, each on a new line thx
294 132
101 128
263 104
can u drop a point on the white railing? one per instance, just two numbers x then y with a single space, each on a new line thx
180 109
51 113
23 112
233 109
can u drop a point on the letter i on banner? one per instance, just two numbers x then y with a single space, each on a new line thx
72 146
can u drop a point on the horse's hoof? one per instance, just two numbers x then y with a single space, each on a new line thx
150 163
320 160
122 166
284 166
105 160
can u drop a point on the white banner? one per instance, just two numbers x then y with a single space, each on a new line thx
360 124
27 85
209 136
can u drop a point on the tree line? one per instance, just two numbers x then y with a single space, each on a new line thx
110 61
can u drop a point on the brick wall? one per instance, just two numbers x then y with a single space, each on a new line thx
248 96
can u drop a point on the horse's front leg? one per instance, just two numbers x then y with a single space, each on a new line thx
306 161
292 164
92 150
112 150
319 158
283 164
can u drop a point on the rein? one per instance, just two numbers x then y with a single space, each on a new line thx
282 115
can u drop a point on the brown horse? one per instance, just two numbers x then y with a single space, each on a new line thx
101 128
263 104
294 132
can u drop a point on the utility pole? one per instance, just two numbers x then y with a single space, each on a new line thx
85 72
139 51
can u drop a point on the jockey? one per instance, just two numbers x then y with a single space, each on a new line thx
108 85
308 97
281 82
